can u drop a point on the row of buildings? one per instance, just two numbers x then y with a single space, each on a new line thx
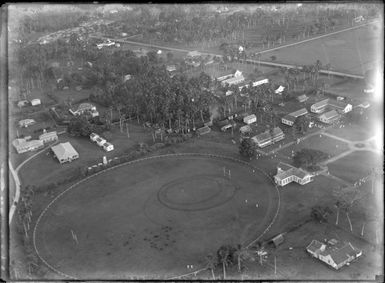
107 146
27 144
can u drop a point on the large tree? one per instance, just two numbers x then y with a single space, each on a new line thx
247 148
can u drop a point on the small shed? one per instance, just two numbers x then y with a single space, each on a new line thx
35 102
204 130
302 98
22 103
250 119
277 240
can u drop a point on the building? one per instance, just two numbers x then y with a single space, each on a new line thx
171 68
277 240
290 118
100 141
260 82
266 138
84 108
22 103
333 253
364 105
204 130
320 106
24 145
64 152
250 119
279 90
329 117
49 137
226 127
26 122
245 129
287 173
108 146
302 98
35 102
237 78
94 136
193 54
340 106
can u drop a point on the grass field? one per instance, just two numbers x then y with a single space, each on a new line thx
355 165
326 144
169 213
352 132
353 51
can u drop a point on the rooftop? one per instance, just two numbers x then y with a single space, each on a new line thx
300 112
330 114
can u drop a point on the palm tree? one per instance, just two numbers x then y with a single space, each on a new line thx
210 264
242 253
224 257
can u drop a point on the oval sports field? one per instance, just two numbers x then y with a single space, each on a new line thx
152 217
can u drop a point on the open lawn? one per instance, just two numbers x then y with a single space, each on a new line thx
355 165
352 132
326 144
171 212
353 51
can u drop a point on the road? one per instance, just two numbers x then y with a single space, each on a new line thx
15 176
327 72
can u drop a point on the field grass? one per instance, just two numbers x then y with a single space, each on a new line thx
353 51
326 144
165 214
355 165
351 132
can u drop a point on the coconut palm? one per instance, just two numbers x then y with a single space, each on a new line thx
211 264
242 253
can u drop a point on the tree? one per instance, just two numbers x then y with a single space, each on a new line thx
224 255
273 58
247 148
302 124
242 253
309 157
211 264
319 213
79 126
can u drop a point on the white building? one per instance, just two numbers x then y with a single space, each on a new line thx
329 117
22 103
334 253
65 152
260 82
108 146
93 137
49 137
35 102
287 174
100 141
26 122
320 106
266 138
250 119
23 145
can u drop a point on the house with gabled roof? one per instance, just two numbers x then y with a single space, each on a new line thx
65 152
290 118
334 253
287 173
266 138
329 117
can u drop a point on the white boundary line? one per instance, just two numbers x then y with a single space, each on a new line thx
132 162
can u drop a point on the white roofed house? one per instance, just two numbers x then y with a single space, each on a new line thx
26 122
22 103
65 152
193 54
334 253
266 138
48 137
84 108
329 117
290 118
23 145
302 98
320 106
340 106
35 102
108 146
250 119
237 78
287 173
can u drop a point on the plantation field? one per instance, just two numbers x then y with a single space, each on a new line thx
353 51
152 218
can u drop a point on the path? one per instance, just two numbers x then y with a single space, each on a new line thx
15 176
